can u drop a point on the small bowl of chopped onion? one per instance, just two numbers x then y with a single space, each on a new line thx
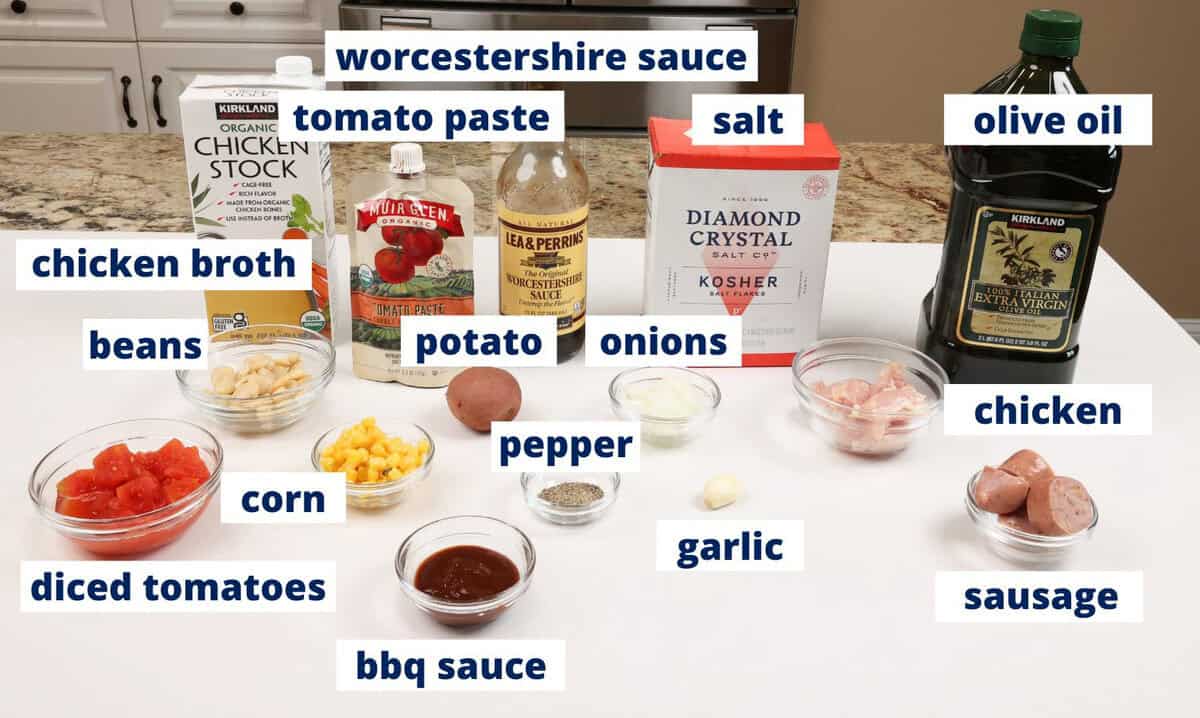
261 378
673 405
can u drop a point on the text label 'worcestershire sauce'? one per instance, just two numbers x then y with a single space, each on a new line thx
1022 236
542 203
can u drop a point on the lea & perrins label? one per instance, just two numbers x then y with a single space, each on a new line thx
543 266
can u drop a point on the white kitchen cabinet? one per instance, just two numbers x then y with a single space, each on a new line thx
238 21
71 87
66 20
168 67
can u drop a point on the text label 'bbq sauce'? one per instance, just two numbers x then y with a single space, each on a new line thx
1022 236
542 205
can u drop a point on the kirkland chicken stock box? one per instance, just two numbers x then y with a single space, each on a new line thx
741 231
246 183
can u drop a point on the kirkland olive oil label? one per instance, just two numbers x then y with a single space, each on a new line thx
543 265
1023 278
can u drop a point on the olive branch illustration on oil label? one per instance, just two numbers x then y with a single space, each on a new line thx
1021 269
197 200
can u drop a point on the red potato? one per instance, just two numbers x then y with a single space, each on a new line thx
480 395
1029 464
999 491
1059 506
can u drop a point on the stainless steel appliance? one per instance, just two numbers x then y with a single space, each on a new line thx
595 107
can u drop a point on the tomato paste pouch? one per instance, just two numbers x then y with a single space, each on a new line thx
411 255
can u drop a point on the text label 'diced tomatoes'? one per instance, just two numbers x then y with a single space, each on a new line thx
123 483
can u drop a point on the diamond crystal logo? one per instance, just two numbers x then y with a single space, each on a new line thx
816 187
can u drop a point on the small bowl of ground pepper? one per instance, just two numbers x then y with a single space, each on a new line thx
570 499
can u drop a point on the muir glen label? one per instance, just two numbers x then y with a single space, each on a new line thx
1023 279
543 266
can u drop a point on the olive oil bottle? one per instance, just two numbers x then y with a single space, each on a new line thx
1022 235
542 203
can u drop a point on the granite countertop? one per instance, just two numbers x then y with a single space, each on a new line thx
127 182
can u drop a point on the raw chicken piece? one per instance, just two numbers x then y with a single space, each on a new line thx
823 390
851 392
900 400
879 415
891 376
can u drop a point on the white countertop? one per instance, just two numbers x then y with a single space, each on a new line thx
853 634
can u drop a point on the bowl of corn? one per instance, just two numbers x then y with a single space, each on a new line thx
381 459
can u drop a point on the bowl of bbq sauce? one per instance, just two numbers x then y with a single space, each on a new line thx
465 570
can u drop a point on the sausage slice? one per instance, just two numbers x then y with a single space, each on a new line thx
1000 491
1018 520
1029 464
1059 506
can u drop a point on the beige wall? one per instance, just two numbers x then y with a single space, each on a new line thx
875 70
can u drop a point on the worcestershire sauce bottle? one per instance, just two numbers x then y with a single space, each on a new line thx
542 207
1022 236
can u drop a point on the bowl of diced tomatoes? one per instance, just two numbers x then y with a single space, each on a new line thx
128 487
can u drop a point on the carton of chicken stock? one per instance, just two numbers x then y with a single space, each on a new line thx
246 183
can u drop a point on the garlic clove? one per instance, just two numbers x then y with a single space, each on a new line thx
721 490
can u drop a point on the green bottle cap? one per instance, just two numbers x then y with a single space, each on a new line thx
1051 32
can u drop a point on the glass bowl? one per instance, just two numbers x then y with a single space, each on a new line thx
264 413
854 430
384 493
482 531
534 483
1013 544
126 535
702 393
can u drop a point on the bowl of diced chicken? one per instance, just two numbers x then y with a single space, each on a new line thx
867 396
260 378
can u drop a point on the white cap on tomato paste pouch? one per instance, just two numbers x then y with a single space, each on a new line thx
297 66
407 159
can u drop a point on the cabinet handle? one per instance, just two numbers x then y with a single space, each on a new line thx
129 119
236 8
19 6
161 121
390 22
